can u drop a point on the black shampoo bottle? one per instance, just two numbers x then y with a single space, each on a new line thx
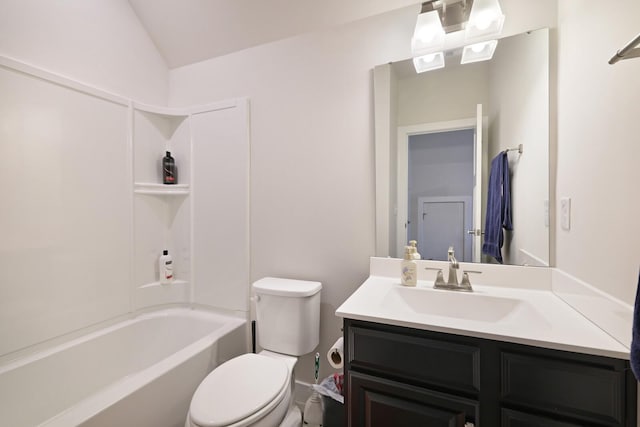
169 173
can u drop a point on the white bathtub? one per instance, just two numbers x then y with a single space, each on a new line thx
139 372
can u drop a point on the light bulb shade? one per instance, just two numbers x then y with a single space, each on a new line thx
428 35
485 20
477 52
431 61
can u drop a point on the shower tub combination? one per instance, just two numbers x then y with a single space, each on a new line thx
140 372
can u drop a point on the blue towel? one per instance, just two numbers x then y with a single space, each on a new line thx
498 207
635 339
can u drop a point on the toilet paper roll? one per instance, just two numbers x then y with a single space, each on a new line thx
336 354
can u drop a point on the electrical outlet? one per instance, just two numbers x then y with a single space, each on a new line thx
565 213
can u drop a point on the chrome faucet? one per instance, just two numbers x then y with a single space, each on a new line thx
453 268
452 281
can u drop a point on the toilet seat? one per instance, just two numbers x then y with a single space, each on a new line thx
240 391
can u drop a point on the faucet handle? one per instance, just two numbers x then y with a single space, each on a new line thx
465 284
439 277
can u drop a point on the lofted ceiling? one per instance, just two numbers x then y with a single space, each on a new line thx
188 31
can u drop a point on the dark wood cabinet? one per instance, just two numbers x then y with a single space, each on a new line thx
397 376
381 403
522 419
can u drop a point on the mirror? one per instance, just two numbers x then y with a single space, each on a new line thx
436 134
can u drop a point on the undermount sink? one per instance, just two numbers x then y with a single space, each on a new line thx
455 305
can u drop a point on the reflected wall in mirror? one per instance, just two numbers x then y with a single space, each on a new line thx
436 134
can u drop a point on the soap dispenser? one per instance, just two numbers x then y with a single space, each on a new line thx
414 246
409 268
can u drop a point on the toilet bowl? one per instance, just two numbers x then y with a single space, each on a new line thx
256 390
253 390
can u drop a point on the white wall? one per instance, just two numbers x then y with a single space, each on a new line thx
312 192
312 177
519 114
98 42
451 93
598 147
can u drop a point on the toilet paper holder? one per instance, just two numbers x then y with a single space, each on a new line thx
335 355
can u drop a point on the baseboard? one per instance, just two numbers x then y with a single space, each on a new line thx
608 313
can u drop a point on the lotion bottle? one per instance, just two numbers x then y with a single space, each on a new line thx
409 272
165 267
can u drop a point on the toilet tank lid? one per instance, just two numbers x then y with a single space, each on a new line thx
286 287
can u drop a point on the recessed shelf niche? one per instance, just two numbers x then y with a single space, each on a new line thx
162 213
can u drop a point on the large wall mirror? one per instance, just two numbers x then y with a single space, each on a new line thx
436 135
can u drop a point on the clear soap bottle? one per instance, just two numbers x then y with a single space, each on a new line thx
409 267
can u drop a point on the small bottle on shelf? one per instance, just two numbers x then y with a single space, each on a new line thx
169 171
165 268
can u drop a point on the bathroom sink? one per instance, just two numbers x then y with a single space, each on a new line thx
525 313
455 305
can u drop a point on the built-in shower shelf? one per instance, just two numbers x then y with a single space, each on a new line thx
158 284
161 189
155 293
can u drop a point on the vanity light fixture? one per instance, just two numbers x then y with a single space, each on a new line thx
477 52
429 62
485 20
428 35
481 20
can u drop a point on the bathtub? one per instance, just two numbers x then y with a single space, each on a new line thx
139 372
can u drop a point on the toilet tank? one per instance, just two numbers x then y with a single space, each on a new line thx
288 315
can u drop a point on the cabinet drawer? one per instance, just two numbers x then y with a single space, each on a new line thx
415 359
584 391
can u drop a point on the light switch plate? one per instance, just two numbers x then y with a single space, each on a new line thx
565 213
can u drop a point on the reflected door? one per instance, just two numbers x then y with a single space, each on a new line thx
441 225
442 166
478 151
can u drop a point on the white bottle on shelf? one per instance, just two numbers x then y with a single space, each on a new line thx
165 268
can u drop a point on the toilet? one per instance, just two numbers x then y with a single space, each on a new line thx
256 390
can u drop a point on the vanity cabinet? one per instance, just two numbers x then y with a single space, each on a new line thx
397 376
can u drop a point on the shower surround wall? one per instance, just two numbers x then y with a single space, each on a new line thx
89 216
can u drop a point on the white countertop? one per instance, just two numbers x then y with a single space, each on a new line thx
528 316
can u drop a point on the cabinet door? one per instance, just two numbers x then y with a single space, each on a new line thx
521 419
377 402
564 388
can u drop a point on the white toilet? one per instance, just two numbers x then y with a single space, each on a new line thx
257 389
